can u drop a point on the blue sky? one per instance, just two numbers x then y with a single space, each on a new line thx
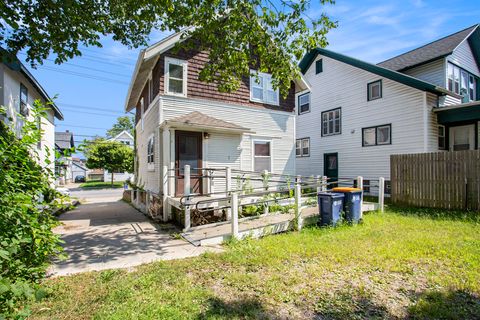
92 89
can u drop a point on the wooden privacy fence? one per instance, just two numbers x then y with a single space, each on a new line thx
449 180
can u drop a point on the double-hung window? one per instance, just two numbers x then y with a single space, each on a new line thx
331 122
441 138
374 90
472 88
304 103
461 81
175 77
261 88
302 147
23 100
262 155
151 152
378 135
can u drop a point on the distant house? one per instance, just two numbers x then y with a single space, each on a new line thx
96 175
63 165
125 138
78 169
18 91
358 114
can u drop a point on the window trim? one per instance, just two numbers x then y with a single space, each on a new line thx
151 153
23 105
321 122
309 103
376 135
184 65
469 74
369 98
444 137
302 155
263 75
254 156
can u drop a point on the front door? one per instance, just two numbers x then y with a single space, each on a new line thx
330 167
462 138
188 150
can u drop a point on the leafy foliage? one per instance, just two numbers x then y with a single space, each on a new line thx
278 31
27 203
109 155
125 123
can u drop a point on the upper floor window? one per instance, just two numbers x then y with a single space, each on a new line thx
304 103
318 66
461 81
374 90
261 89
302 147
175 77
379 135
23 100
331 122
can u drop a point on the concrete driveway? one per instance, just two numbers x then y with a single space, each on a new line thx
107 233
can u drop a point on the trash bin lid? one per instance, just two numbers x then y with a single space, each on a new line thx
346 189
331 194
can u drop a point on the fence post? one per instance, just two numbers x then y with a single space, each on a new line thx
360 186
298 195
234 205
324 183
318 181
186 193
228 188
381 193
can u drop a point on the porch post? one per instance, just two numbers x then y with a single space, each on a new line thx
298 195
228 188
381 193
234 205
360 186
324 183
165 192
186 193
319 181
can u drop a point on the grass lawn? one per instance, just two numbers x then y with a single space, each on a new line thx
101 185
394 265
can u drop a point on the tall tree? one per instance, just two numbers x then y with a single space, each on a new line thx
109 155
125 123
278 31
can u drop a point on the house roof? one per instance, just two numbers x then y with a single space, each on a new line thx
458 113
384 72
79 165
64 140
202 121
120 134
433 50
16 65
148 57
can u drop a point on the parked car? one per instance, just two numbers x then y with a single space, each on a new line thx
80 179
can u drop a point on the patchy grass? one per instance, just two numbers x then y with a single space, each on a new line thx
394 265
101 185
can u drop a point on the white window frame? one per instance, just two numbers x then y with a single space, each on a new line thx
178 62
254 156
299 145
456 70
472 86
151 153
267 78
325 123
300 105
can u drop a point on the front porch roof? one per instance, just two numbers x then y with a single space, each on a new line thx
199 121
458 112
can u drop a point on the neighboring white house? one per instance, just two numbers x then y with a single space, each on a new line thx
126 138
64 143
181 120
78 170
358 114
18 91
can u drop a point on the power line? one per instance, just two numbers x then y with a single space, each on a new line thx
84 75
95 113
85 107
107 54
76 126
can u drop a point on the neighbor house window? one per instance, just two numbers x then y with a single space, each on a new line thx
302 147
318 66
331 122
379 135
441 138
374 90
23 100
175 77
151 152
261 88
461 81
262 156
304 103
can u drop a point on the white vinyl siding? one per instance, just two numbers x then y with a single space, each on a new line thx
401 105
432 72
463 57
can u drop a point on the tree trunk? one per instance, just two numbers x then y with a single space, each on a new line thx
112 178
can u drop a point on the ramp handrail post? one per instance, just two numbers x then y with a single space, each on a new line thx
324 183
228 188
298 195
381 193
360 186
186 193
234 205
318 181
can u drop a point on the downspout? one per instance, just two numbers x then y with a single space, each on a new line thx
426 122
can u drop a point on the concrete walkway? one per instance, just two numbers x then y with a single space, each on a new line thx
111 234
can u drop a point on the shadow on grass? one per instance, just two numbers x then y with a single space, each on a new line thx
243 309
446 305
440 214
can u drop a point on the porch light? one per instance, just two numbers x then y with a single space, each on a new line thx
206 135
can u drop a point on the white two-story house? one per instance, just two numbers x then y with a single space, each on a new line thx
125 138
181 120
357 114
18 91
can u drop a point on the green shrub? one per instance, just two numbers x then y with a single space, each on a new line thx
27 202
